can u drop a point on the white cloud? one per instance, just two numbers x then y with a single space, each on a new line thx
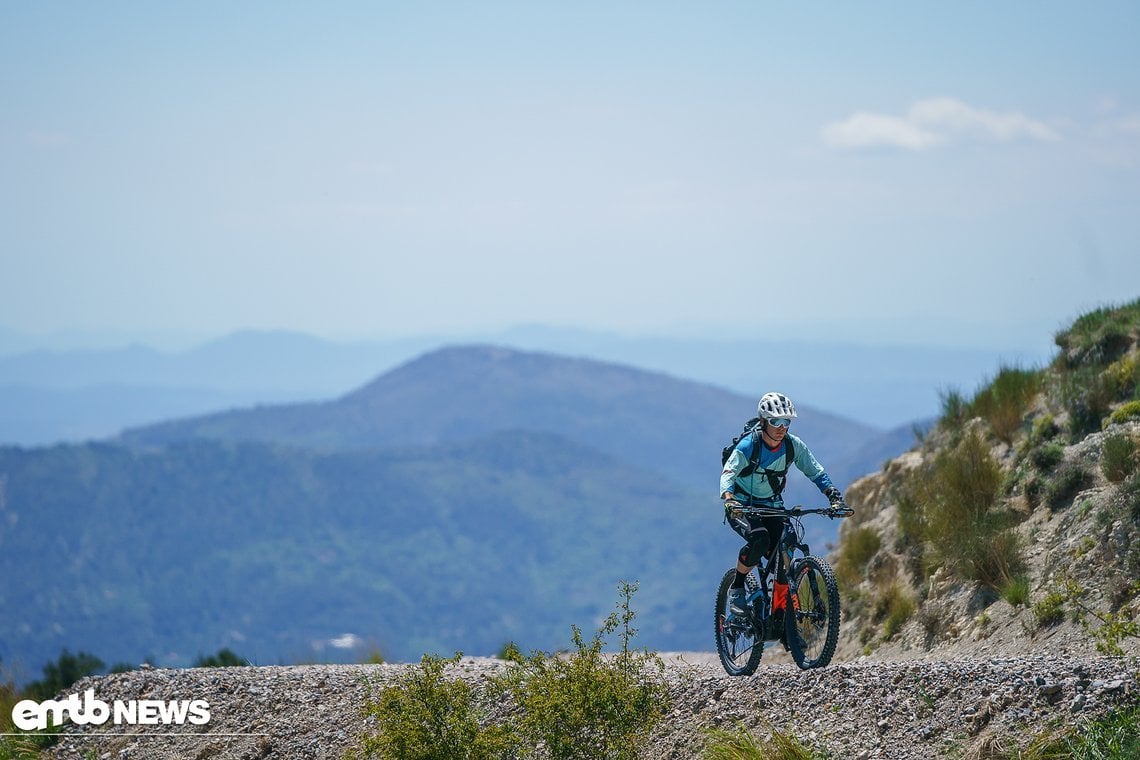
871 130
932 122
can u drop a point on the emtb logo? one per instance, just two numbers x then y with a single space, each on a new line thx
29 715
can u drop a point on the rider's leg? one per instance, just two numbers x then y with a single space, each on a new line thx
750 554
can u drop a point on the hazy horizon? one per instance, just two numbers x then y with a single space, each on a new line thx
882 173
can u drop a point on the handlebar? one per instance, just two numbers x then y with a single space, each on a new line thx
798 511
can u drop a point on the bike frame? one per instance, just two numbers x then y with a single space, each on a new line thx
780 555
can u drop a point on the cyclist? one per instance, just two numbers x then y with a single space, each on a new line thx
754 475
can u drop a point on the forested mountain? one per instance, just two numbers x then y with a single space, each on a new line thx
473 496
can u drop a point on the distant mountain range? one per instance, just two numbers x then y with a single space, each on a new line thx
60 396
472 495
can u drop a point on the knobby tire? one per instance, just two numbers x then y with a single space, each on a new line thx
732 642
813 611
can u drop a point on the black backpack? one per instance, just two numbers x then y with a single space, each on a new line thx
776 478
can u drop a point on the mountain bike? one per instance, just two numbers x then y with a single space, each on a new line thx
809 626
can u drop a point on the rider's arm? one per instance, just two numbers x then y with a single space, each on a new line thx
736 462
810 466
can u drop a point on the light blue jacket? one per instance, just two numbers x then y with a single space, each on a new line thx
755 487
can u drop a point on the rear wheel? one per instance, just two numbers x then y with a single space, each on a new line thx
813 613
737 641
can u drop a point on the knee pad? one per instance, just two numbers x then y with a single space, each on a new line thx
753 551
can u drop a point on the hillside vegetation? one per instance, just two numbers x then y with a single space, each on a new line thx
1015 525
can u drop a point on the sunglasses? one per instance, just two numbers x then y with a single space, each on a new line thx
780 422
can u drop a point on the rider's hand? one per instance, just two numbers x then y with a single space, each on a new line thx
834 496
733 509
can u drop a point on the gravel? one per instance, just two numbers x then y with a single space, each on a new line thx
857 709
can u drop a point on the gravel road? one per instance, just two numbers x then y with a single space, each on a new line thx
860 709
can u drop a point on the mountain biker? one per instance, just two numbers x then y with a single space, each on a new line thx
756 478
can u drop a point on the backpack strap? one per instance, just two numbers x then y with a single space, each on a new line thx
777 479
753 458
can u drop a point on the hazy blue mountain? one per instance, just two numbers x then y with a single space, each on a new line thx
665 424
882 386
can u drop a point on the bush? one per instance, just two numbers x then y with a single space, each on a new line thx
955 410
584 704
1099 337
855 550
1050 610
1044 430
428 716
1116 736
743 745
587 705
1130 496
1123 377
1085 395
224 658
1016 591
1066 483
1005 400
62 673
947 508
1129 411
1118 457
1047 457
893 607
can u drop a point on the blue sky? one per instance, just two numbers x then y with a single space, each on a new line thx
959 174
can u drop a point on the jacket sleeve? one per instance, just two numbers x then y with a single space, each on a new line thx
810 466
736 462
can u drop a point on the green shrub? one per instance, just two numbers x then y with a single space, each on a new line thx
587 704
893 608
1066 483
223 658
62 673
583 704
1117 735
18 744
1044 430
855 550
744 745
955 410
1099 337
947 508
1016 591
1005 400
1047 457
1129 496
428 716
1123 377
1050 610
1127 412
1118 457
1085 395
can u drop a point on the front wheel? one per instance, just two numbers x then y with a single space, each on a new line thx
737 642
812 628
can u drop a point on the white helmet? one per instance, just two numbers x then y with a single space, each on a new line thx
775 405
